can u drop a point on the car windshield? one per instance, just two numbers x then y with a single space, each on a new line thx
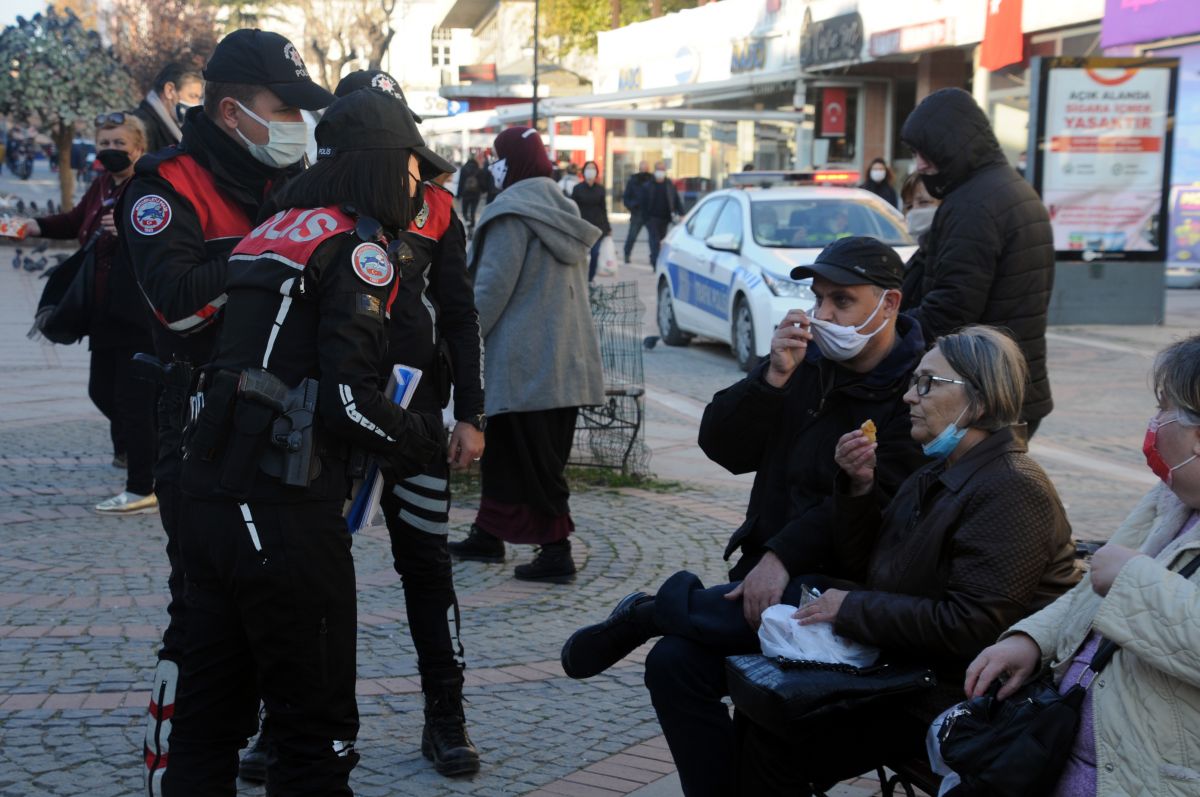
815 223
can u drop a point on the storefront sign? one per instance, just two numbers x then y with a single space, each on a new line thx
477 73
912 39
833 113
1104 151
831 40
1003 44
1184 243
1137 21
749 55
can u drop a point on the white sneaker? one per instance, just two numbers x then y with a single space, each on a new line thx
128 504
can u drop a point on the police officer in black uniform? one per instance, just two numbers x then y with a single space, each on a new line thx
434 326
184 211
293 392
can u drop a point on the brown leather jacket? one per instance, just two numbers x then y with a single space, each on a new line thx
960 554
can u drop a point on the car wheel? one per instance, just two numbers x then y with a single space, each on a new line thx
742 334
668 330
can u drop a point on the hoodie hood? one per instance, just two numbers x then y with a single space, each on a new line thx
954 133
553 217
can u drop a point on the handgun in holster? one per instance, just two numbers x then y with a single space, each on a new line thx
175 379
291 455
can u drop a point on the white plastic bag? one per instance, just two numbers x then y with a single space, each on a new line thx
782 635
607 265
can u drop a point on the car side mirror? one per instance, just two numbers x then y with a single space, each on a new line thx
725 242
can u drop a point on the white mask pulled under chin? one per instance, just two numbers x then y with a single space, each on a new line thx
840 343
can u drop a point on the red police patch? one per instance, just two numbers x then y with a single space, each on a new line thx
150 215
371 264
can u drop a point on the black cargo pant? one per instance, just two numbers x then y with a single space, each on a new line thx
271 613
166 484
128 403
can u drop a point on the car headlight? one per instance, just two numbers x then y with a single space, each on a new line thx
782 286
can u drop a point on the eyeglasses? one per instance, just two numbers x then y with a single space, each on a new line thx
116 118
923 382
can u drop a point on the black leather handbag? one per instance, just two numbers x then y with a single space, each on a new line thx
1018 747
64 313
778 693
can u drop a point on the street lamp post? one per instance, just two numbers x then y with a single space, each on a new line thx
536 9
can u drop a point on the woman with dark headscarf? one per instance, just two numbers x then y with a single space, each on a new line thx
542 358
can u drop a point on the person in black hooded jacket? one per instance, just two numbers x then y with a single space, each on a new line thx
989 257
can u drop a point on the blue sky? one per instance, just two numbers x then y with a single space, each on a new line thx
11 9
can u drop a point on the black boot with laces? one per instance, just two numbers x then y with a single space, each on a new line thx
445 741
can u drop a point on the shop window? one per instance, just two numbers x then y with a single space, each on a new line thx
836 125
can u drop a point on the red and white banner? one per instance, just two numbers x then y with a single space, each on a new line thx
1103 163
1003 44
833 113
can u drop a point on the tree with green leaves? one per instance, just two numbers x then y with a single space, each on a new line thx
574 23
55 74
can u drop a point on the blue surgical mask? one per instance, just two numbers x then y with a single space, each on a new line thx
947 440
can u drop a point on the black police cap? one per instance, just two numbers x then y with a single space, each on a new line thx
262 58
369 120
856 260
432 164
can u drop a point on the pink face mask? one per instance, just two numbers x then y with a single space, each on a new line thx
1154 459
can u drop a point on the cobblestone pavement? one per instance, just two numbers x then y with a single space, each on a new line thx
82 596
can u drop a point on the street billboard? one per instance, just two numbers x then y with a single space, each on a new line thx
1101 136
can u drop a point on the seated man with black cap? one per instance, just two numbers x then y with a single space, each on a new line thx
185 210
783 422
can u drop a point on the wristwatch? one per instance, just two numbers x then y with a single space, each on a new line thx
478 421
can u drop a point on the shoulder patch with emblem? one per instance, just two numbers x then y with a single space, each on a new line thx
371 264
150 215
423 216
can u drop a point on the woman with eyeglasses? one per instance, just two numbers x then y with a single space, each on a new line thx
120 320
1138 730
972 542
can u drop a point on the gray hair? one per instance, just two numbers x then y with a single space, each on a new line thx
995 371
1177 378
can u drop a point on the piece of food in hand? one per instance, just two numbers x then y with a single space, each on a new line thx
868 430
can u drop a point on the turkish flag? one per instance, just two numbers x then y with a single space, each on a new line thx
1002 43
833 112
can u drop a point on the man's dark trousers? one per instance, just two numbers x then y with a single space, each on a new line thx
657 227
636 222
271 612
685 673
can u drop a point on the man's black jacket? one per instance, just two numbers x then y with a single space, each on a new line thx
787 436
989 257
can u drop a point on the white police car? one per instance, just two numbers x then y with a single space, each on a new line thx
723 272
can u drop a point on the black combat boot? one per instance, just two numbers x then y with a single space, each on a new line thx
445 741
479 546
253 766
552 563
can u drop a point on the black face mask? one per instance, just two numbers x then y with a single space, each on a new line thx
114 160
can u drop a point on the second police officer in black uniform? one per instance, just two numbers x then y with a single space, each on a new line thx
184 211
291 394
434 327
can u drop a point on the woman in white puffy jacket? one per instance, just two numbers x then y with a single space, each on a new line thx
1140 730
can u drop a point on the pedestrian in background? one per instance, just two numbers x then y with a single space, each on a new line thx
989 256
632 199
919 209
569 180
175 90
542 362
470 189
120 320
880 181
660 201
589 196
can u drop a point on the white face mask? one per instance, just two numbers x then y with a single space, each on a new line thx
590 174
919 220
659 174
878 175
840 343
499 171
286 141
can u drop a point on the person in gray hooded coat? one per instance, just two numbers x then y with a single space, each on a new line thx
529 260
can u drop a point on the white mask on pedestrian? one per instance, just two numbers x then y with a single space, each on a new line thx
878 175
589 173
659 174
286 141
919 220
840 343
499 171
